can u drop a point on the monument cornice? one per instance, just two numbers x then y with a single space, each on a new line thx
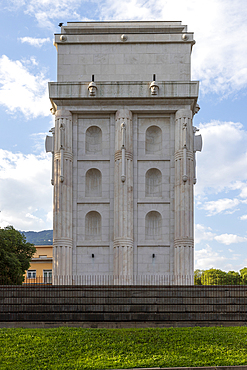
123 90
107 27
132 38
137 106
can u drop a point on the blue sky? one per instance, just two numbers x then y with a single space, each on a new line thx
219 62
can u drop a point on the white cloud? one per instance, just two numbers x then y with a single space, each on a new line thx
46 11
219 58
39 141
37 42
221 167
20 90
223 161
219 206
243 218
242 186
49 217
207 258
228 239
29 215
26 191
131 9
203 233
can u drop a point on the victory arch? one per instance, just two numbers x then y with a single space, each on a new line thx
123 150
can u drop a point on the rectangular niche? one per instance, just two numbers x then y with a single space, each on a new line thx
153 224
154 137
93 224
93 180
153 180
93 136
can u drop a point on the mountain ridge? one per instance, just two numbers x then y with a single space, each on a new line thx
44 237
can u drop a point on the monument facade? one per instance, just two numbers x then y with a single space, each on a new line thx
123 150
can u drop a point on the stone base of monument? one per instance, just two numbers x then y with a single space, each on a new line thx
123 306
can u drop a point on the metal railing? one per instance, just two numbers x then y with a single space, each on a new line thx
104 280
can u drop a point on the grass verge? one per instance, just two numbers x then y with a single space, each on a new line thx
94 349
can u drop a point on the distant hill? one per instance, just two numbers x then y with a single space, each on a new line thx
44 237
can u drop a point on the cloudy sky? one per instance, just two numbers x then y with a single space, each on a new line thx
219 62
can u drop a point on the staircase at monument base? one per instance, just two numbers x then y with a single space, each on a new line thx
167 305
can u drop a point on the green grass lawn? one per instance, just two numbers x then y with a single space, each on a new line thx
76 348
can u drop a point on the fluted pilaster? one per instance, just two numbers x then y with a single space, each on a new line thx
62 209
123 195
184 198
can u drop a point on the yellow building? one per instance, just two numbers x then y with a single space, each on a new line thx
40 270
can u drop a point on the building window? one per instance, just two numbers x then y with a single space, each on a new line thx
153 140
153 183
93 140
93 183
47 274
31 274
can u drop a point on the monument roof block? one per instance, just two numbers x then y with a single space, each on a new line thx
124 51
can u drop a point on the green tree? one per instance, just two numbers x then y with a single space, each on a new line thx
197 277
233 278
214 277
243 274
15 255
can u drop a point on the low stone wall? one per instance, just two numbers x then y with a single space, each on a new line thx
167 305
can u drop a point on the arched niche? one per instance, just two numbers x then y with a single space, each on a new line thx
153 224
153 186
93 140
93 183
153 140
93 226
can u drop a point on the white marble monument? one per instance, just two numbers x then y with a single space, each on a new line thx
123 151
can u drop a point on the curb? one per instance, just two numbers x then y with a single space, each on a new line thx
244 367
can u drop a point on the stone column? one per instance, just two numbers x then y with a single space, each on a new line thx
62 203
123 197
184 198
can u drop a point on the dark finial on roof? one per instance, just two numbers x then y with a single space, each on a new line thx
92 78
60 24
154 78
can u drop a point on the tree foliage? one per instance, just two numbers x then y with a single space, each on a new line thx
234 278
197 277
15 255
213 277
219 277
243 274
